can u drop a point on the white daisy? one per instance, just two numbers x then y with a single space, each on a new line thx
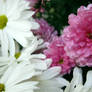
24 56
76 84
15 24
14 79
49 80
26 77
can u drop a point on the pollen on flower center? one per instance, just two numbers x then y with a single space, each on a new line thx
17 55
61 61
2 87
3 21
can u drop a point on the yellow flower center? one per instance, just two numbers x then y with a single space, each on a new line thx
17 55
2 87
61 61
3 21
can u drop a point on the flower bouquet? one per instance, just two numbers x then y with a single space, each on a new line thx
34 58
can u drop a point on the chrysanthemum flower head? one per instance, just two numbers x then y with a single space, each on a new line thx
77 36
15 24
45 31
58 55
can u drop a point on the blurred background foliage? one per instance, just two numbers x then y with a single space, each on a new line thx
57 11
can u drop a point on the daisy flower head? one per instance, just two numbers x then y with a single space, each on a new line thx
26 55
76 85
49 80
15 24
14 79
77 36
28 77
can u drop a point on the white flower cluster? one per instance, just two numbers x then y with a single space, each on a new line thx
21 70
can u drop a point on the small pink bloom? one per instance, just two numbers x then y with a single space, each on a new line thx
56 52
46 32
77 36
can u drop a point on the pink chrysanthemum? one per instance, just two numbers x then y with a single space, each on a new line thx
77 36
46 32
56 52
